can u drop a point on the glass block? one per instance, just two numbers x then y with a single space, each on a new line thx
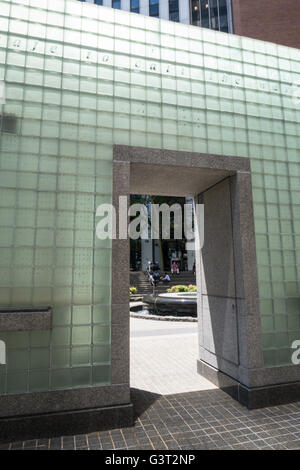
81 377
101 334
40 358
83 295
65 220
38 380
81 315
22 276
101 354
61 336
62 295
42 276
17 382
293 322
6 236
62 276
279 306
64 238
2 381
44 237
283 356
81 356
5 255
25 217
268 340
17 360
60 358
269 357
47 182
281 324
61 316
41 295
231 101
102 293
7 216
61 379
267 323
102 313
101 375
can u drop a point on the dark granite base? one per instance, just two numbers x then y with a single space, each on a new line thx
257 397
65 423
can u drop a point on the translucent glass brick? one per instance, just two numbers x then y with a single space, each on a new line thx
154 84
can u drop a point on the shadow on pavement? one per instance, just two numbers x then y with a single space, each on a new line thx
142 400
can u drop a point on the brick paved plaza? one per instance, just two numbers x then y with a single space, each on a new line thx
163 357
198 416
193 420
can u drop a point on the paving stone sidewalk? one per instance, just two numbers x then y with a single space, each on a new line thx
163 357
194 420
177 409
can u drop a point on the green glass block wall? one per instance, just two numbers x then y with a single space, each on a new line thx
80 78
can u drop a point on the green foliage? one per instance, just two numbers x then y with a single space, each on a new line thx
132 290
182 288
192 288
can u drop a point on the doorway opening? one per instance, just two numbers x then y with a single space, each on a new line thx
163 303
227 332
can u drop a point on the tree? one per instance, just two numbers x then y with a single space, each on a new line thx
151 199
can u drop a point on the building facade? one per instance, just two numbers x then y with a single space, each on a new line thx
99 103
213 14
269 20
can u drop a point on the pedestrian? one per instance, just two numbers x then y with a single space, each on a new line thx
156 277
175 268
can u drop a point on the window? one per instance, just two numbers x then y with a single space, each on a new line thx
195 9
97 2
135 6
223 16
173 10
211 14
204 11
116 4
154 7
214 14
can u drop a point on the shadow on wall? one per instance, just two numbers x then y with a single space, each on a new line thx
218 325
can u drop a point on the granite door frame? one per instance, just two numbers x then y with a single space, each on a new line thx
251 383
125 160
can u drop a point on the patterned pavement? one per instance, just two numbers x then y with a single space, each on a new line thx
164 357
194 420
198 416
